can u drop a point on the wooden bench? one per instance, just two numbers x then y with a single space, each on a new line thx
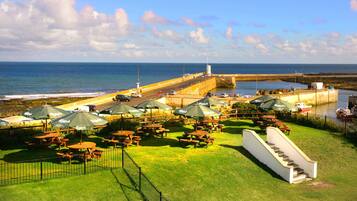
189 141
111 141
136 140
62 155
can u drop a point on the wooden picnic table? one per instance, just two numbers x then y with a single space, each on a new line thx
199 133
268 117
49 135
208 121
82 145
123 133
152 126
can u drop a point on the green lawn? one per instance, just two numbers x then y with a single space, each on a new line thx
103 185
224 171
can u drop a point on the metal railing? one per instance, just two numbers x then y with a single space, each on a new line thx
148 190
17 172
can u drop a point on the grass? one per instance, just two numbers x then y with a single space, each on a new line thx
224 171
104 185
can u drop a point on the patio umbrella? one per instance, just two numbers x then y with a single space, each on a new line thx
277 105
198 111
45 112
122 109
153 104
3 123
209 102
79 121
261 99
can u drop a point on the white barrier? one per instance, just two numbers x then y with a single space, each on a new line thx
260 150
275 136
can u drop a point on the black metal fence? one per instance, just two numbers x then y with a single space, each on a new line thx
148 190
16 172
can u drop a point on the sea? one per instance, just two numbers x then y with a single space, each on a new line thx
52 79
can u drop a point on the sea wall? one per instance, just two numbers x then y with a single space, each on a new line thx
311 97
200 88
258 77
109 97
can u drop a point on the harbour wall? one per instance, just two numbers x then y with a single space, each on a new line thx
260 77
202 88
312 97
147 88
309 97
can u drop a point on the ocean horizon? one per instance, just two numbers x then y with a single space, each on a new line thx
94 78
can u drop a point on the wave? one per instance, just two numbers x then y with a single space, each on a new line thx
57 95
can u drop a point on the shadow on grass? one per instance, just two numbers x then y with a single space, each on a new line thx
126 189
245 153
237 127
154 141
29 155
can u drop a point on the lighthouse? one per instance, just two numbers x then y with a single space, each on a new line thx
208 70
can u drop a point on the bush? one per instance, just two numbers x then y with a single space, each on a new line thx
245 107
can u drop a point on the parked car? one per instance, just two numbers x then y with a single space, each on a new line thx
172 92
122 98
86 108
136 95
224 95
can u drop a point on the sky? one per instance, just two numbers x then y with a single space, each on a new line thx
225 31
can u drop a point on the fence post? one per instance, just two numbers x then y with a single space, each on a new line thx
139 179
307 116
41 169
160 196
345 127
325 121
122 157
84 164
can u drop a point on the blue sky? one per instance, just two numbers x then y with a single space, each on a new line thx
179 31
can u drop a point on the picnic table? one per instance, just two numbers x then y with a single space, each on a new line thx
82 145
89 153
48 135
123 133
196 137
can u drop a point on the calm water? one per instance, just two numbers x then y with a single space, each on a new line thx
249 88
33 78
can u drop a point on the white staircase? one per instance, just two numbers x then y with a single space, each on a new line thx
281 155
298 174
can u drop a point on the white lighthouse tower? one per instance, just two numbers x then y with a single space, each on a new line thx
208 70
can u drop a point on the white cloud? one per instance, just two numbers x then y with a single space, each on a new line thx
285 46
353 4
130 46
150 17
262 48
122 20
252 39
103 46
198 36
167 34
229 32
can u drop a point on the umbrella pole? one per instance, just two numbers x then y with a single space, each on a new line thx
122 121
46 124
150 114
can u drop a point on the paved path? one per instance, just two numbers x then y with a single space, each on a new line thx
155 94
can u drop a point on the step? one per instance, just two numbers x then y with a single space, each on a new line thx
293 165
298 171
270 144
299 178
